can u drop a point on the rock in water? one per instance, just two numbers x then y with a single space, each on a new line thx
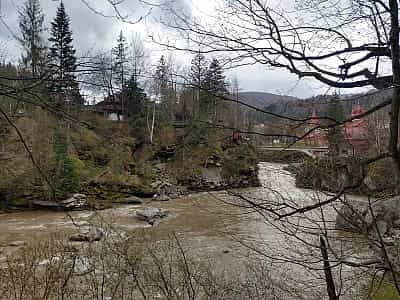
75 202
151 214
351 216
356 215
94 234
129 200
17 244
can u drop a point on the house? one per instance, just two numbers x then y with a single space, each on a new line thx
317 137
111 107
355 134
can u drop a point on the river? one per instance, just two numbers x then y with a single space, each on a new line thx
216 225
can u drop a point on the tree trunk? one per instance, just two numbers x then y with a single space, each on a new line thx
394 117
330 283
152 123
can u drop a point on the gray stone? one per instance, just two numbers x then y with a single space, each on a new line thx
382 226
151 214
75 202
83 265
351 216
46 204
156 184
17 244
356 215
163 197
129 200
370 184
396 223
161 166
94 234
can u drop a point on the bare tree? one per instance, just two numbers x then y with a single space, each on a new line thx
313 39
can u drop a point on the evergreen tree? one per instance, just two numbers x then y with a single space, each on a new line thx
215 85
198 71
31 19
165 91
62 58
335 134
120 61
161 76
136 98
197 79
65 179
215 79
119 70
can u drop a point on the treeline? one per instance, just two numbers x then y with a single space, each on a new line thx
53 87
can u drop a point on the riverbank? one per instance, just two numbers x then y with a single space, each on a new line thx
333 173
110 164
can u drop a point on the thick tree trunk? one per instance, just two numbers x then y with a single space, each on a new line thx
394 117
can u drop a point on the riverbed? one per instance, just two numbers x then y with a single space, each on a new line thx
226 227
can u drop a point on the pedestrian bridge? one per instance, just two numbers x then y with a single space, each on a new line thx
312 152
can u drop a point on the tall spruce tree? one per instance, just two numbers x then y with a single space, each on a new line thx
62 59
136 98
119 70
198 71
120 60
31 19
165 90
65 179
197 77
161 77
215 85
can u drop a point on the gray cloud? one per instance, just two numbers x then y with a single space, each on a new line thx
98 30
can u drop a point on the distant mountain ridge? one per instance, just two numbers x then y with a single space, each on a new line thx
263 99
295 107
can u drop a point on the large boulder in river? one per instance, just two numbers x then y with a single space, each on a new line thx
75 202
129 200
351 216
358 216
151 214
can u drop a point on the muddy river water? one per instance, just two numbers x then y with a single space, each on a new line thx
207 222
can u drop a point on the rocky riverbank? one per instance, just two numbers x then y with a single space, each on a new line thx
332 174
234 167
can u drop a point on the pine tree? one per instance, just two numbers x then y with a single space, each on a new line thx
215 79
215 85
136 98
198 71
120 61
65 178
62 58
161 76
165 91
119 69
31 19
197 77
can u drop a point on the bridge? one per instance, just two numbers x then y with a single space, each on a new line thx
312 152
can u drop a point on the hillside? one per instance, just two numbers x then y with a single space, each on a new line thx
262 99
295 107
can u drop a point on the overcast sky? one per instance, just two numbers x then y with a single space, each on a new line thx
99 30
